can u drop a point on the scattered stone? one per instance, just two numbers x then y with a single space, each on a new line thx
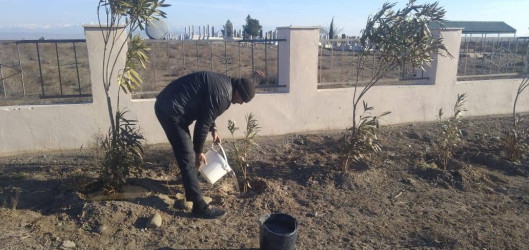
68 244
314 214
180 196
207 199
408 181
166 199
183 204
101 229
155 221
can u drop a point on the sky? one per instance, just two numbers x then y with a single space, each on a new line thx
61 19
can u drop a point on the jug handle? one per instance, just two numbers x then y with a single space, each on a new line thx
222 149
223 152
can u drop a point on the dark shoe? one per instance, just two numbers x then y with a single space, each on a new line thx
209 213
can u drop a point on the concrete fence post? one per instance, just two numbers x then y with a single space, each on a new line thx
97 53
298 60
443 66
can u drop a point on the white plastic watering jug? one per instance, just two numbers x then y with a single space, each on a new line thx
217 165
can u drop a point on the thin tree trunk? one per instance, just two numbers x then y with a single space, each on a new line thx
110 112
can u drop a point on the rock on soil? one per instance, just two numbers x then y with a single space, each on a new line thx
68 244
155 221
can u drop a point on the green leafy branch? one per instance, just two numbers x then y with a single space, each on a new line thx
242 147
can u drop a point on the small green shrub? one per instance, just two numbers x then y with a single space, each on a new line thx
515 142
450 133
122 154
515 145
242 149
361 142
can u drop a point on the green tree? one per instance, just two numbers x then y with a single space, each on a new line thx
123 152
398 37
227 29
252 27
332 32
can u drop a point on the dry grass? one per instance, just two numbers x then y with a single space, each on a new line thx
25 87
478 60
173 59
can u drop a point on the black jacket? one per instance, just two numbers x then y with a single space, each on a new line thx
201 97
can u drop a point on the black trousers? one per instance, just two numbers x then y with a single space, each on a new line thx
182 145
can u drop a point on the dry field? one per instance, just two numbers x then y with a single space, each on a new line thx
56 59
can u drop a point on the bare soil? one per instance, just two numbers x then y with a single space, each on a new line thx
399 200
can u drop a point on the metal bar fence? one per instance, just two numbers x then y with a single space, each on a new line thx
3 83
51 71
491 57
338 61
40 69
58 66
234 58
479 58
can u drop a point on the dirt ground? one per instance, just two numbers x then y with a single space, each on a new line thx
401 200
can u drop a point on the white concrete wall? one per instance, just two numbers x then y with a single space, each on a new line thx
302 108
50 127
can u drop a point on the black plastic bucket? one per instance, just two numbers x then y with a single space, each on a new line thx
278 232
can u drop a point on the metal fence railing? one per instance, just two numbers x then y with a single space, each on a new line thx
491 57
337 61
171 59
44 72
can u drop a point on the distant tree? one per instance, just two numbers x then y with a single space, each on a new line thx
331 29
252 27
227 29
42 38
344 36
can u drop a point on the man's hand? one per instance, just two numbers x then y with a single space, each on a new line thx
258 73
216 136
199 159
